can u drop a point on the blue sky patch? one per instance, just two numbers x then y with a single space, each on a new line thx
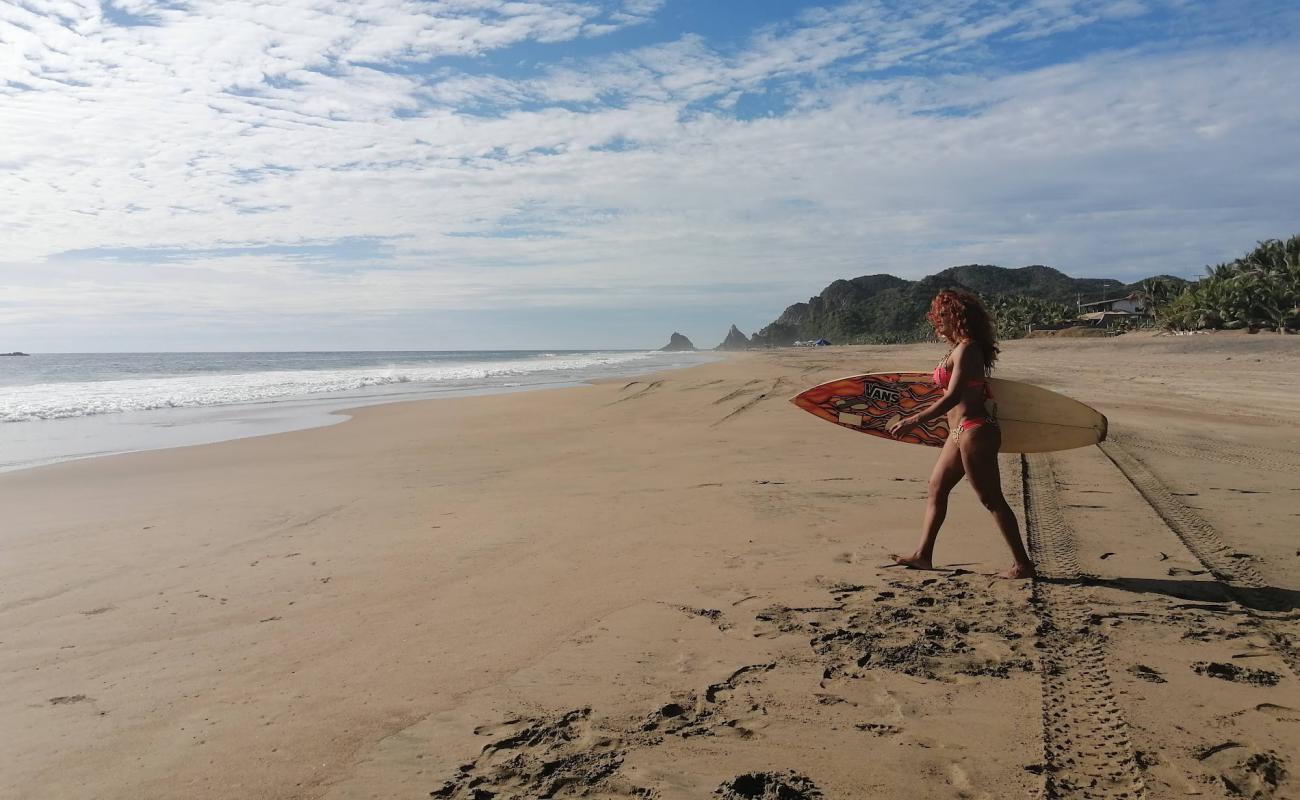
685 162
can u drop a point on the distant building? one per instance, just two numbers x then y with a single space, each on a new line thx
1105 313
1130 304
1105 319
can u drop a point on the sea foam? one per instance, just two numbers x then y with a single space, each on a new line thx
43 401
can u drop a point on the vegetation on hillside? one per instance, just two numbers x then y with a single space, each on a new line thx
1259 290
883 309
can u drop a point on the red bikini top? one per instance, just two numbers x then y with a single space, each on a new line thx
942 375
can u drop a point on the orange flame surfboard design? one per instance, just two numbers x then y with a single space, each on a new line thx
869 403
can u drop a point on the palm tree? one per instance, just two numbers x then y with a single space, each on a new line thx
1156 294
1262 288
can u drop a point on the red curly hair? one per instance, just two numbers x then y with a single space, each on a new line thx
960 316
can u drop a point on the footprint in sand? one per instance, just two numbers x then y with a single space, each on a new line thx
711 614
1236 674
958 778
879 728
769 786
542 757
1147 673
744 727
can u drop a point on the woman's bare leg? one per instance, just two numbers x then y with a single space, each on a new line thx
948 471
979 455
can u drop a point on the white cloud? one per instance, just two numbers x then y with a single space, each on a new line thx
606 181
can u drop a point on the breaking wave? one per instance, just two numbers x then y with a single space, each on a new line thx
61 400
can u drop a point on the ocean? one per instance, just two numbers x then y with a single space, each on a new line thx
61 406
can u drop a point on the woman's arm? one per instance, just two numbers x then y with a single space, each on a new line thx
963 364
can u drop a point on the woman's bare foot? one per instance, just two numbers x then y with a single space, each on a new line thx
913 561
1018 572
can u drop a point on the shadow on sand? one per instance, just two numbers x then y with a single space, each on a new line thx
1268 598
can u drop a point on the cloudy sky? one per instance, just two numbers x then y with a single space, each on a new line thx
318 174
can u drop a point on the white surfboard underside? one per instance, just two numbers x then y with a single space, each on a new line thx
1038 420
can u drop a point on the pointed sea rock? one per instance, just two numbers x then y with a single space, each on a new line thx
677 342
735 340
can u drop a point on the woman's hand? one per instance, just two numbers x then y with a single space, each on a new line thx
904 426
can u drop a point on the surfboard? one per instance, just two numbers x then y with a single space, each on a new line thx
1033 419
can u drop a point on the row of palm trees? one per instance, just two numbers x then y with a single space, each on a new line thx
1016 314
1259 290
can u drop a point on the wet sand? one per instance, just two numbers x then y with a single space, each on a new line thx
669 587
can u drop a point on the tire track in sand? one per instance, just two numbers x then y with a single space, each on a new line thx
1209 450
776 386
1086 747
642 392
1206 544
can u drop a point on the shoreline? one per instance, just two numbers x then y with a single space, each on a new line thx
217 424
63 440
669 580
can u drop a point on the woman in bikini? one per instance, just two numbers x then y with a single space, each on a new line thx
972 448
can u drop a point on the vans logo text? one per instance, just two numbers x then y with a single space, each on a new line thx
882 395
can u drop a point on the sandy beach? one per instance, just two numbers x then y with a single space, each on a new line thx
669 587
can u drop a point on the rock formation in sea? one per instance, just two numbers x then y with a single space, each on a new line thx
735 340
677 342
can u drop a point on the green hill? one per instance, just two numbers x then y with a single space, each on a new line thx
884 308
